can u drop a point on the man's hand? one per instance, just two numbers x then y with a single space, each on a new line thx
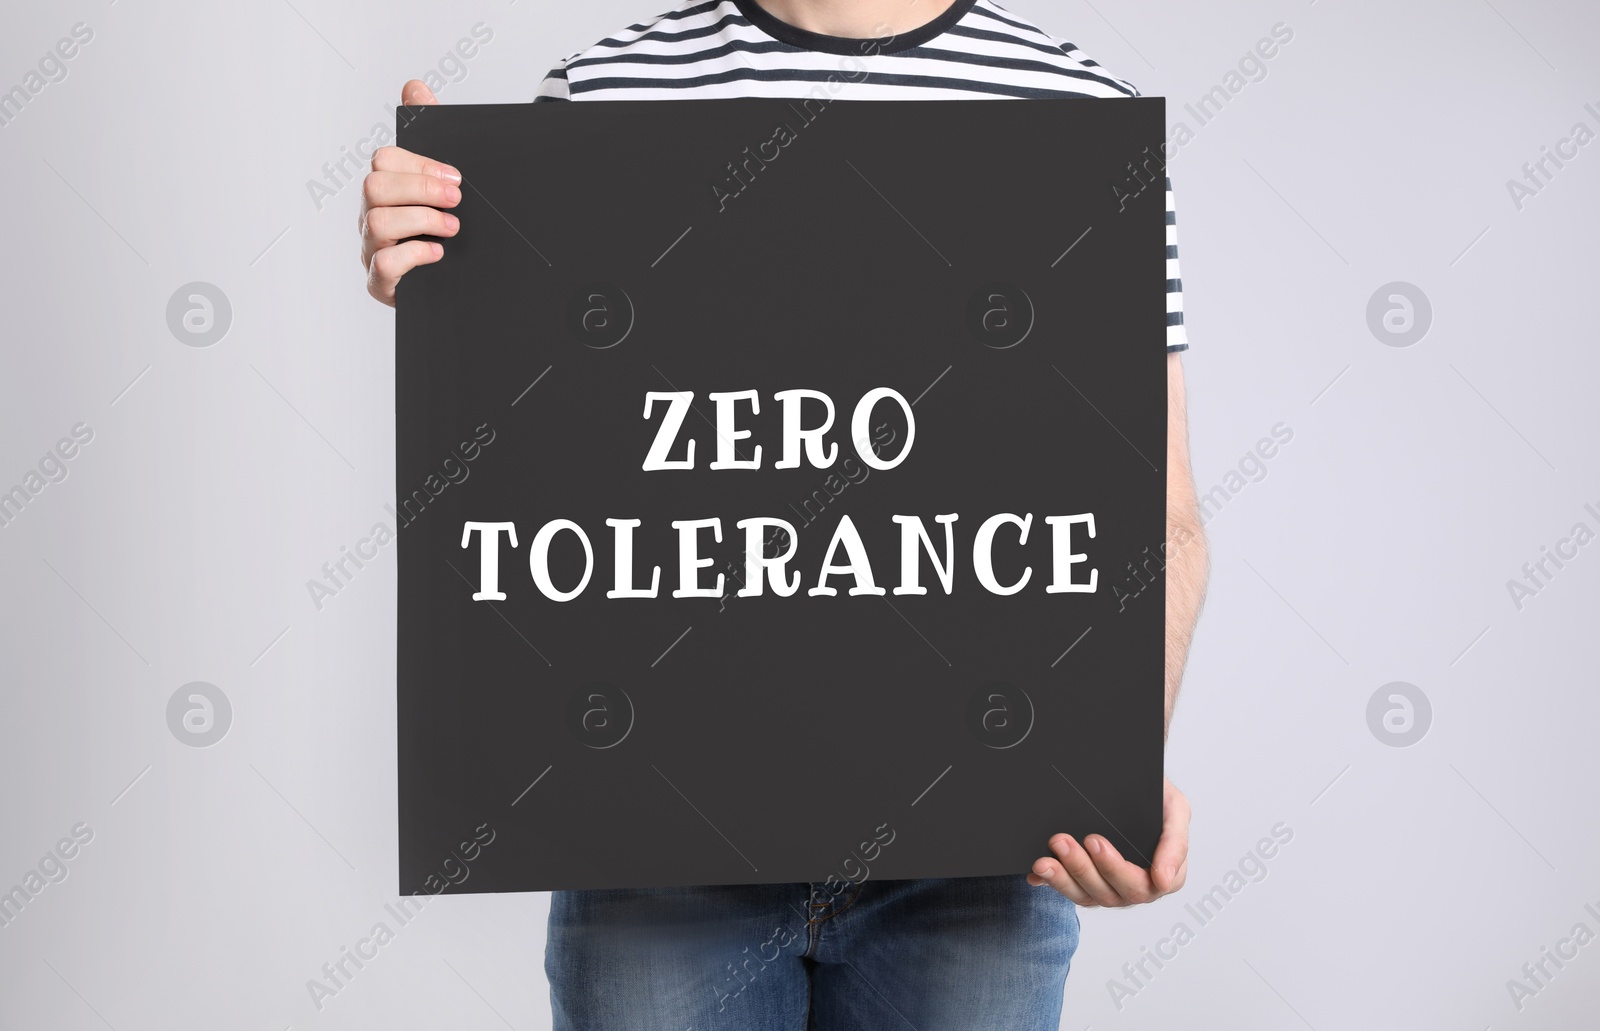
1094 874
400 198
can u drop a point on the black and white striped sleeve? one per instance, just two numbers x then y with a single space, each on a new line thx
1177 336
554 86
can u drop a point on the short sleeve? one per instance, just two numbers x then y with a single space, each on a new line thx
1177 336
554 86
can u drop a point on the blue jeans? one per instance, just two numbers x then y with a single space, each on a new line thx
935 955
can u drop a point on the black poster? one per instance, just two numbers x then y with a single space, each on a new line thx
782 492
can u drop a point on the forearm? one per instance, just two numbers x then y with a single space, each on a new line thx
1187 559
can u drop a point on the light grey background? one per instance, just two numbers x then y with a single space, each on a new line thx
1376 549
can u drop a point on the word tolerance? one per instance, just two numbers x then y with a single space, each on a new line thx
760 568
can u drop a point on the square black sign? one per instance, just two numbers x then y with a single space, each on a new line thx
970 297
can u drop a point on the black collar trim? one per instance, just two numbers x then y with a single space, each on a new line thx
807 40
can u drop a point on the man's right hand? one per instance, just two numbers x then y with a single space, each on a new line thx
401 198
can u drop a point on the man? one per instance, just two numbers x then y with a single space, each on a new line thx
935 955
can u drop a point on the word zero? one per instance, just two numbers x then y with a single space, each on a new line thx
795 436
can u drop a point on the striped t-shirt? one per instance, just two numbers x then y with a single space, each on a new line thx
734 48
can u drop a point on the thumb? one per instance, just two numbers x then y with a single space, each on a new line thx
417 94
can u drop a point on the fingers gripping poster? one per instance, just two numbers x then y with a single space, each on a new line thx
780 490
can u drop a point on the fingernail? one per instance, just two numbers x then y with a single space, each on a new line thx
437 249
452 193
447 173
452 223
1094 845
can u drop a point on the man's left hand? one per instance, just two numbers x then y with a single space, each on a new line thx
1095 874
